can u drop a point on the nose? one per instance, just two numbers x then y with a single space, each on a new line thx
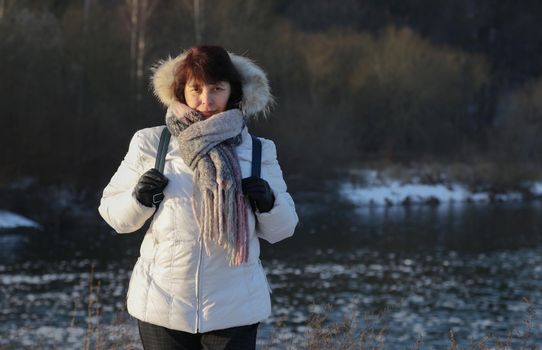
206 98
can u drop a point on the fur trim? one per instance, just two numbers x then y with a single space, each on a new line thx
257 96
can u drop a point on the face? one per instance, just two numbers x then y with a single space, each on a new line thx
209 99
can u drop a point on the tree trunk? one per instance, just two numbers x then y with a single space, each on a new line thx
139 12
84 63
86 12
133 8
199 22
2 9
140 53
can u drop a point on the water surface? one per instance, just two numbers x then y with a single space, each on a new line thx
412 273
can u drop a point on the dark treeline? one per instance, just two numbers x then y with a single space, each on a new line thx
355 81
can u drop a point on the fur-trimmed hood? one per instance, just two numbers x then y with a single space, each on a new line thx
257 96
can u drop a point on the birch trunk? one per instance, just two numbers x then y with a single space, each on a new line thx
2 9
199 21
140 51
133 8
139 11
84 63
86 12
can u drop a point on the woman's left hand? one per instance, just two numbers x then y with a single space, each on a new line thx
259 193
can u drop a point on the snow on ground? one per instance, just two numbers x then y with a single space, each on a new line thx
12 220
397 193
377 191
536 189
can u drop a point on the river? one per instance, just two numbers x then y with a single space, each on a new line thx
403 276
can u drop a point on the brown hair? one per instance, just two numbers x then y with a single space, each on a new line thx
208 64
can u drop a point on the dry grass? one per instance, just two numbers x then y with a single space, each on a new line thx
346 335
320 334
115 335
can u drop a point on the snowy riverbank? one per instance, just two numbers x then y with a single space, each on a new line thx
375 190
9 220
363 188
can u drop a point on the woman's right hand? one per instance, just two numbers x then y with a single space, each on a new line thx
151 183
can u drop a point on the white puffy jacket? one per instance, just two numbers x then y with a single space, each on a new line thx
175 283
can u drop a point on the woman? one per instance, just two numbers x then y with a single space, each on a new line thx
199 282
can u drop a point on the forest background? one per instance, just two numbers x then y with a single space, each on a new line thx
357 83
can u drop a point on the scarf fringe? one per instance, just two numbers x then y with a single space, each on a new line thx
223 211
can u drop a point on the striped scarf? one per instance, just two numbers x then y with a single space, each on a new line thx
208 147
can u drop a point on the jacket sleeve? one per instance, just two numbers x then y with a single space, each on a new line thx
280 222
118 206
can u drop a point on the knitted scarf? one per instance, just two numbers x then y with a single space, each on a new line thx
207 146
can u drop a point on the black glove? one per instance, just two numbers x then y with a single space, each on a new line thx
150 183
259 193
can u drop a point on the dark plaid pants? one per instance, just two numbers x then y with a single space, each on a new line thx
160 338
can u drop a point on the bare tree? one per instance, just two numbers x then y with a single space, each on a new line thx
139 12
5 7
133 8
198 10
82 80
199 22
86 11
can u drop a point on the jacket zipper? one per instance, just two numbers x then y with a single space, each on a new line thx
197 284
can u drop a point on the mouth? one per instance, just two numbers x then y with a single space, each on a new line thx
207 113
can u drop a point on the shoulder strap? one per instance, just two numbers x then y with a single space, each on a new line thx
161 161
256 156
162 150
159 164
